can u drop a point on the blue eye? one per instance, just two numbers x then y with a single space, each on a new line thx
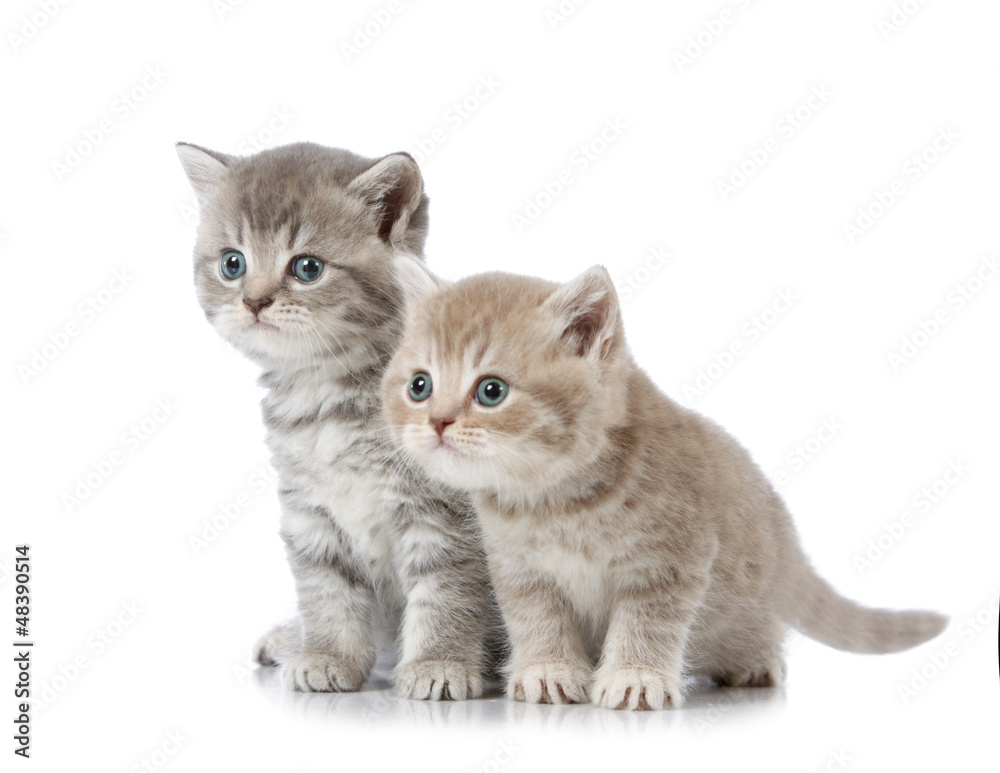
491 391
233 264
419 387
306 268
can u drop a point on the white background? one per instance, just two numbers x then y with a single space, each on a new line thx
117 684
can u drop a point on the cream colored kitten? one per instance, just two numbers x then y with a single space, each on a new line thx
631 541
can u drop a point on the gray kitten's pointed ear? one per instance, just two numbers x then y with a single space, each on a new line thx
588 313
417 283
204 168
393 188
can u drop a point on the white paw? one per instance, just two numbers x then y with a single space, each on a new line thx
549 683
636 689
438 680
269 648
321 672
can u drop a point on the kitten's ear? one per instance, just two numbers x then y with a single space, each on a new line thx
393 188
417 283
588 312
204 168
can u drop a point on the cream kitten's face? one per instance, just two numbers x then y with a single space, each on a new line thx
498 385
294 247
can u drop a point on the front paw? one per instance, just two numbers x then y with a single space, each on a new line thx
636 689
322 672
270 648
438 680
560 682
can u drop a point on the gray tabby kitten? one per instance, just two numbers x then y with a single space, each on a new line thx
622 530
291 267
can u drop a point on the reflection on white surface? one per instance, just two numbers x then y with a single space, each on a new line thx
706 706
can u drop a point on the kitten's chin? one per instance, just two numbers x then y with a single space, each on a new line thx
261 327
461 469
514 479
443 462
267 344
469 465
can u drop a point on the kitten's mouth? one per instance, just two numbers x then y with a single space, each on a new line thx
447 446
261 324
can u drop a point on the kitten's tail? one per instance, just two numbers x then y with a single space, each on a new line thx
818 611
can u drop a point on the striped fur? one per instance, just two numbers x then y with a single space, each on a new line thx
631 541
375 547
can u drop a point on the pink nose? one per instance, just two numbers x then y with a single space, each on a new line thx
256 304
440 424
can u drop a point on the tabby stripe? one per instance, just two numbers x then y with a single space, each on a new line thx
349 412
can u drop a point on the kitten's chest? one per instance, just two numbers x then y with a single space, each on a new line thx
577 561
331 459
583 579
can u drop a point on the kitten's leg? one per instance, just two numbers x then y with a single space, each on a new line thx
750 655
336 597
642 661
447 598
548 661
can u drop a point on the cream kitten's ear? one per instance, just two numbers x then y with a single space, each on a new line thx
393 187
416 282
587 310
204 168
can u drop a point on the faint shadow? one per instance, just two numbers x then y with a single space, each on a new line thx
706 707
376 703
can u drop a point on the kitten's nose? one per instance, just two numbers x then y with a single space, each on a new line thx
256 304
440 424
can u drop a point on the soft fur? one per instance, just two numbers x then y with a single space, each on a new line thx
373 545
631 541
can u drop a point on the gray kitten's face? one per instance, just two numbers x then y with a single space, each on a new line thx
293 250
